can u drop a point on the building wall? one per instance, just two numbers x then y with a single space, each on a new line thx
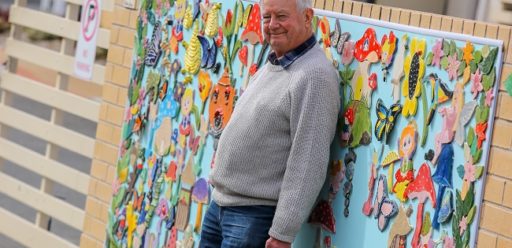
495 230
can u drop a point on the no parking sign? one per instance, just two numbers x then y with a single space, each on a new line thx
86 45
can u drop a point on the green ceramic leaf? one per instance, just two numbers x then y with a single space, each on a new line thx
477 56
459 53
116 200
477 156
474 146
429 58
470 198
465 238
247 12
471 214
453 48
508 84
462 66
488 80
479 171
473 66
489 61
455 228
460 171
362 123
446 48
239 13
444 63
482 113
471 135
485 51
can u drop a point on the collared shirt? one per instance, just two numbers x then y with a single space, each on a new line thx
288 58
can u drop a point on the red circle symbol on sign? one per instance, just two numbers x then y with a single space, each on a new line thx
90 17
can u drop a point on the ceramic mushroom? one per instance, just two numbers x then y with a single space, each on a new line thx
200 195
323 215
443 177
400 228
367 51
422 189
253 35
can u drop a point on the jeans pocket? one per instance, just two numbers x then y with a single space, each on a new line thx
246 226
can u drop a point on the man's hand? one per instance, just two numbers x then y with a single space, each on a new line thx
274 243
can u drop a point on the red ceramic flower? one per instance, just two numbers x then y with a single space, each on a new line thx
480 133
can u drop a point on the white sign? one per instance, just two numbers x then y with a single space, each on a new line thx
86 45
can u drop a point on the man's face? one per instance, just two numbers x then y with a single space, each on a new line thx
284 26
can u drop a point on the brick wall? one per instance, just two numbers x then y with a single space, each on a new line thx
108 134
495 230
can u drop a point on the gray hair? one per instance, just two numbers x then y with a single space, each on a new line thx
301 4
304 4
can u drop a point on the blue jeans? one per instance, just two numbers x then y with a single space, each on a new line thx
240 227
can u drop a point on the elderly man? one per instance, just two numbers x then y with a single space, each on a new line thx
273 155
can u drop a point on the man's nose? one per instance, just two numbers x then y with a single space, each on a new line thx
273 24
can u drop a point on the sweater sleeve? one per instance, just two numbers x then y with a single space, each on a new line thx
315 103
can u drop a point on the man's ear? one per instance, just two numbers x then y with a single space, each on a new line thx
308 15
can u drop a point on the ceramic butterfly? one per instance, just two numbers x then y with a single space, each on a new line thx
209 53
162 92
338 38
385 207
386 118
153 49
193 141
138 200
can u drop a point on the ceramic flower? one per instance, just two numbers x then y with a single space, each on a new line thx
463 225
348 53
468 52
489 96
448 242
480 133
414 67
469 172
453 66
438 53
476 87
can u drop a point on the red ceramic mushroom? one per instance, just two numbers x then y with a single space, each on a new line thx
421 188
253 35
350 115
367 51
323 215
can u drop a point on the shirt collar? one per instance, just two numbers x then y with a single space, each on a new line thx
288 58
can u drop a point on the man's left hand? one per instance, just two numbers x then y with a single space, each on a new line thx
274 243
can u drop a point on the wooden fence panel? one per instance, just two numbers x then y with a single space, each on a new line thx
42 102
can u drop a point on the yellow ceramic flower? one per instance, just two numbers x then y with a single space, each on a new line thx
414 67
205 84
